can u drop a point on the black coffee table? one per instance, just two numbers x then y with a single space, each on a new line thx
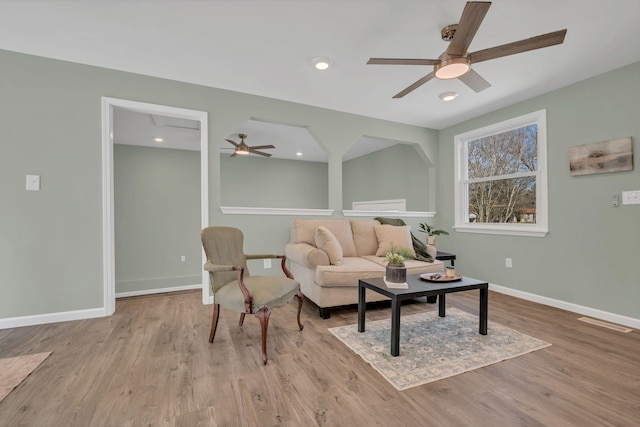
419 288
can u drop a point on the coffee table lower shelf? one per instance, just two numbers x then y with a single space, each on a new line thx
420 288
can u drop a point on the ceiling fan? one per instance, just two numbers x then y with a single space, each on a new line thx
242 148
456 61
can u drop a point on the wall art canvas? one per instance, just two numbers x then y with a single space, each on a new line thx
615 155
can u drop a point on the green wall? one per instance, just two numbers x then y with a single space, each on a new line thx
397 172
157 218
50 124
588 254
51 240
273 183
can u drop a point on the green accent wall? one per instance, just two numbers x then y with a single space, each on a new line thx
397 172
250 181
51 125
587 257
157 218
51 240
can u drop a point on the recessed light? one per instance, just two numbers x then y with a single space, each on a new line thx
158 139
448 96
298 154
321 63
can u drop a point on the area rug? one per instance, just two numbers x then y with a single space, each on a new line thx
13 370
433 347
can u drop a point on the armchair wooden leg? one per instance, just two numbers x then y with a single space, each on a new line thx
263 314
214 322
300 301
241 319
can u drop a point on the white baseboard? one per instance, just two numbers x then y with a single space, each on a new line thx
157 291
41 319
575 308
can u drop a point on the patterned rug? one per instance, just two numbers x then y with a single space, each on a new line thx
433 348
13 370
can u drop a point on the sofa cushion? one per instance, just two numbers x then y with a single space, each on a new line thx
423 253
390 236
364 236
347 274
326 241
304 231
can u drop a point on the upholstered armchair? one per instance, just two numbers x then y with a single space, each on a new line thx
235 289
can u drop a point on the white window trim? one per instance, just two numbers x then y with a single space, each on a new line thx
541 228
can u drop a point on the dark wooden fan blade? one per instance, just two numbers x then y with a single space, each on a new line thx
415 86
260 153
234 154
231 142
475 81
261 147
470 21
400 61
537 42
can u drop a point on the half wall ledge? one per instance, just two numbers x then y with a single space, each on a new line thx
232 210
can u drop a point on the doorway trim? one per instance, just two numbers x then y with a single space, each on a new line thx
108 228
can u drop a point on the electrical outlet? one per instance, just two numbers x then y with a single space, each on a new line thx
631 197
267 263
615 200
507 263
33 182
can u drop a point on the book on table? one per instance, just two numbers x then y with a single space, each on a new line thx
395 285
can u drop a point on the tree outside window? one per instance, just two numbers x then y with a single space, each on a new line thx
501 178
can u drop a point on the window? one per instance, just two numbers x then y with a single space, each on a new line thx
501 178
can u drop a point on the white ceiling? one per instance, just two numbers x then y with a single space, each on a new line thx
135 128
265 47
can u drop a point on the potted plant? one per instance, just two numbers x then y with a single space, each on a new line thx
431 231
396 271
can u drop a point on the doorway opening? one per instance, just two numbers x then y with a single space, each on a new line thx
109 105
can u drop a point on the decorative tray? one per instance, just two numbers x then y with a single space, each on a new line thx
439 277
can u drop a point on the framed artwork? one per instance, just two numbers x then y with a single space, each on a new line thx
615 155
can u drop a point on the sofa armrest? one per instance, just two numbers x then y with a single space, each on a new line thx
306 254
216 268
431 250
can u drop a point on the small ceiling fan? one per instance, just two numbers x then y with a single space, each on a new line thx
242 148
456 61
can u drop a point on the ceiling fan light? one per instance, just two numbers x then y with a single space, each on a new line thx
452 68
242 148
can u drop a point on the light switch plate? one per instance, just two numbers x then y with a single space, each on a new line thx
33 182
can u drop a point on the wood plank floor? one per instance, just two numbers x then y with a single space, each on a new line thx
151 364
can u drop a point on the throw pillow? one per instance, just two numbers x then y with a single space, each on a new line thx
398 237
326 241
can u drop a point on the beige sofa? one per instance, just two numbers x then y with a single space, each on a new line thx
330 280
